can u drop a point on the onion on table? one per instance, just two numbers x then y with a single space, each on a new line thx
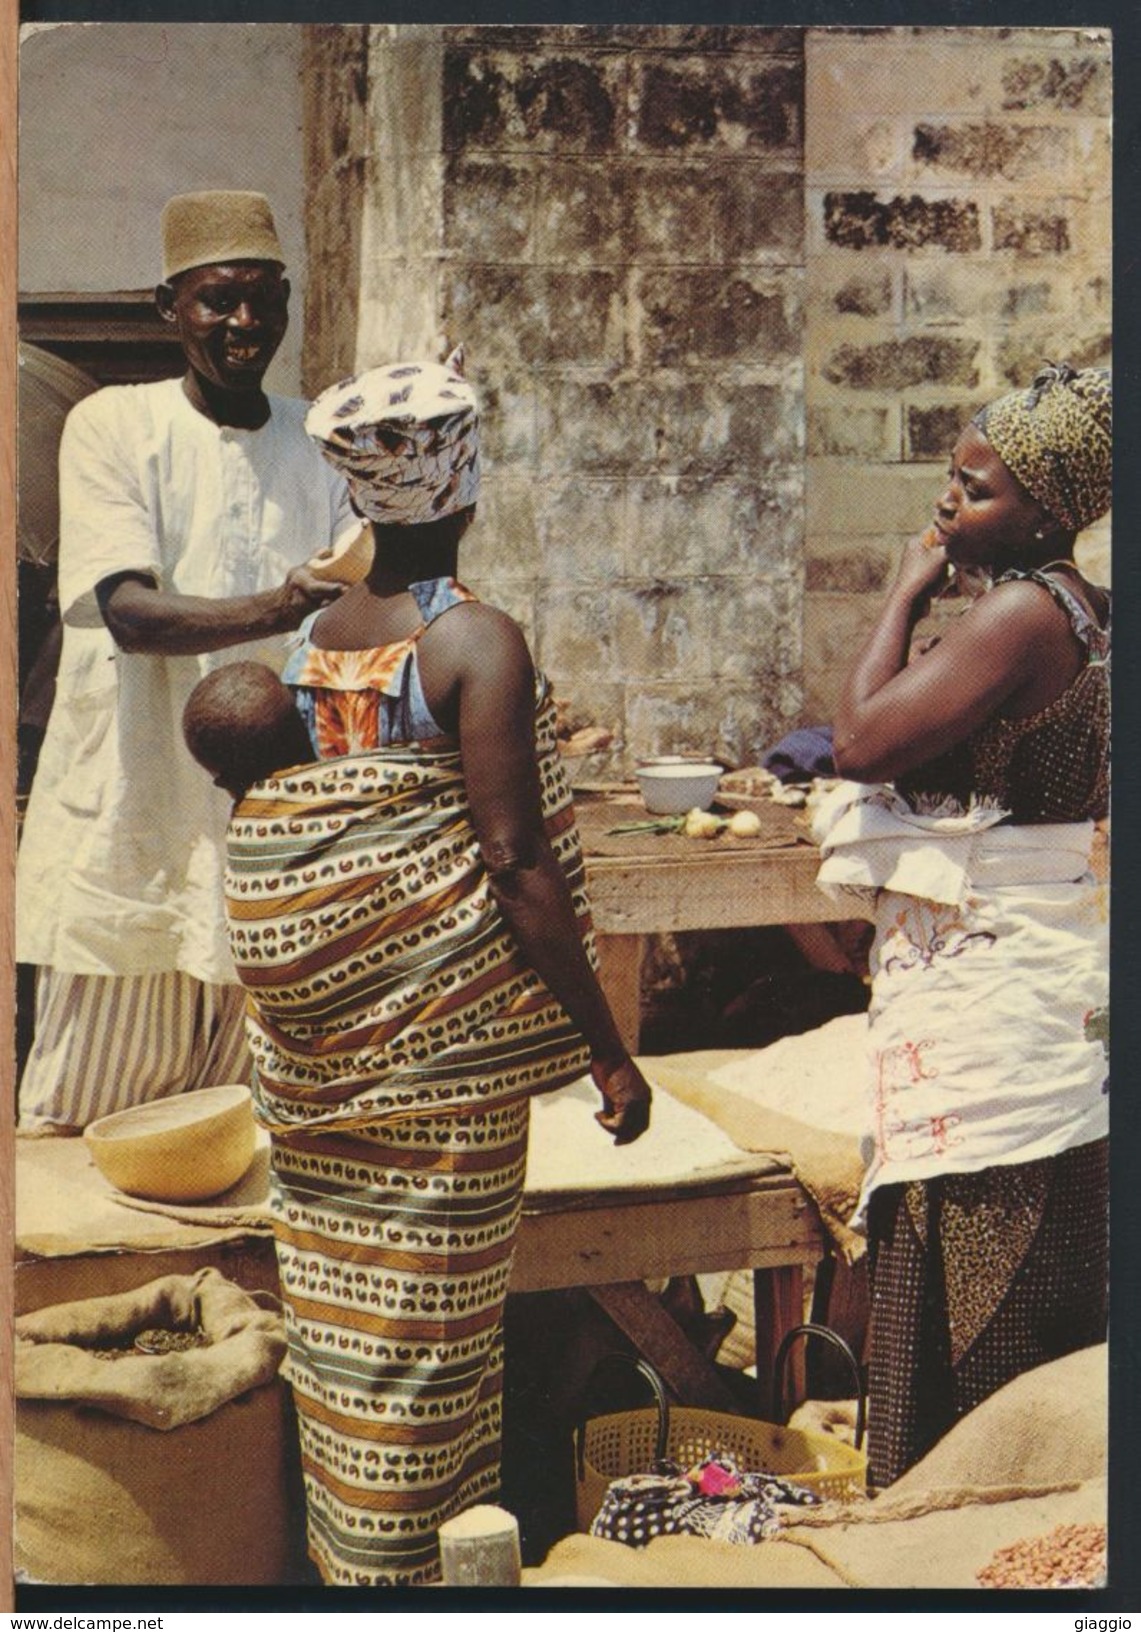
698 824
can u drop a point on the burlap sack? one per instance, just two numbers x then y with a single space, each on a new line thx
825 1160
1048 1427
941 1538
174 1469
1029 1458
680 1561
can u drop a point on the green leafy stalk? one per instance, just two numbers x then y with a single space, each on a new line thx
663 824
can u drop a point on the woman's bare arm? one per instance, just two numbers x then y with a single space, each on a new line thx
894 715
495 696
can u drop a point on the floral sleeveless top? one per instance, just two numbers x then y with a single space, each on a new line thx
356 701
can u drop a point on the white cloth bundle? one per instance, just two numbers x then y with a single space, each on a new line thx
870 839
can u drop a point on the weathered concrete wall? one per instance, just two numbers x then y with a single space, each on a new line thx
611 220
728 294
337 136
958 233
642 328
375 171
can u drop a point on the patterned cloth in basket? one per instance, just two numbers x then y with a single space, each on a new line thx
714 1499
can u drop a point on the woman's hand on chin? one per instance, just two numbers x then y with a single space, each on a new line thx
923 571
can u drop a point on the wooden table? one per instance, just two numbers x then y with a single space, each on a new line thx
607 1241
612 1244
644 884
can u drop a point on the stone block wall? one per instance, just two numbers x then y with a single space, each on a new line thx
958 232
727 293
610 218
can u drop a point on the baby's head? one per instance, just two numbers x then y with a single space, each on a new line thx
242 724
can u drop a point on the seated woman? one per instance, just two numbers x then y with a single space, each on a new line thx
407 914
986 1193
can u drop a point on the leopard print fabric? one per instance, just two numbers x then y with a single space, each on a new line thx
1056 438
1052 766
976 1278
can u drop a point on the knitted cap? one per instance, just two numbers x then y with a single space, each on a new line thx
1057 439
406 437
208 229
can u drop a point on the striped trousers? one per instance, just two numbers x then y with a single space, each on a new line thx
394 1249
105 1042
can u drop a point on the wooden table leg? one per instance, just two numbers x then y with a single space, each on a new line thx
778 1300
821 948
660 1340
620 972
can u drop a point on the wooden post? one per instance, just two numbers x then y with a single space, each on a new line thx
659 1338
778 1298
620 974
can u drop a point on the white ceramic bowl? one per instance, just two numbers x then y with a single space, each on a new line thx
183 1148
347 562
671 788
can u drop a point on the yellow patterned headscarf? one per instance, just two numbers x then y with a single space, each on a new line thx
1056 438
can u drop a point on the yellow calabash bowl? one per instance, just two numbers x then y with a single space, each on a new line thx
344 563
183 1148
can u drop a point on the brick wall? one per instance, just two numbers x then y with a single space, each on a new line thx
727 293
958 219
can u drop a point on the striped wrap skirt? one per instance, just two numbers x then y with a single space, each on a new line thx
394 1248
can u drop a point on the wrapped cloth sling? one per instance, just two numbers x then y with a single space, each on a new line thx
382 980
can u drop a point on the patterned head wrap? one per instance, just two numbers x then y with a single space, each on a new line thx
406 437
1057 440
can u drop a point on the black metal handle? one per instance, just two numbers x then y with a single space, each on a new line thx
631 1363
811 1328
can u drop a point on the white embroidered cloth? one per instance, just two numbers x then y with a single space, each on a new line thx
988 1027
